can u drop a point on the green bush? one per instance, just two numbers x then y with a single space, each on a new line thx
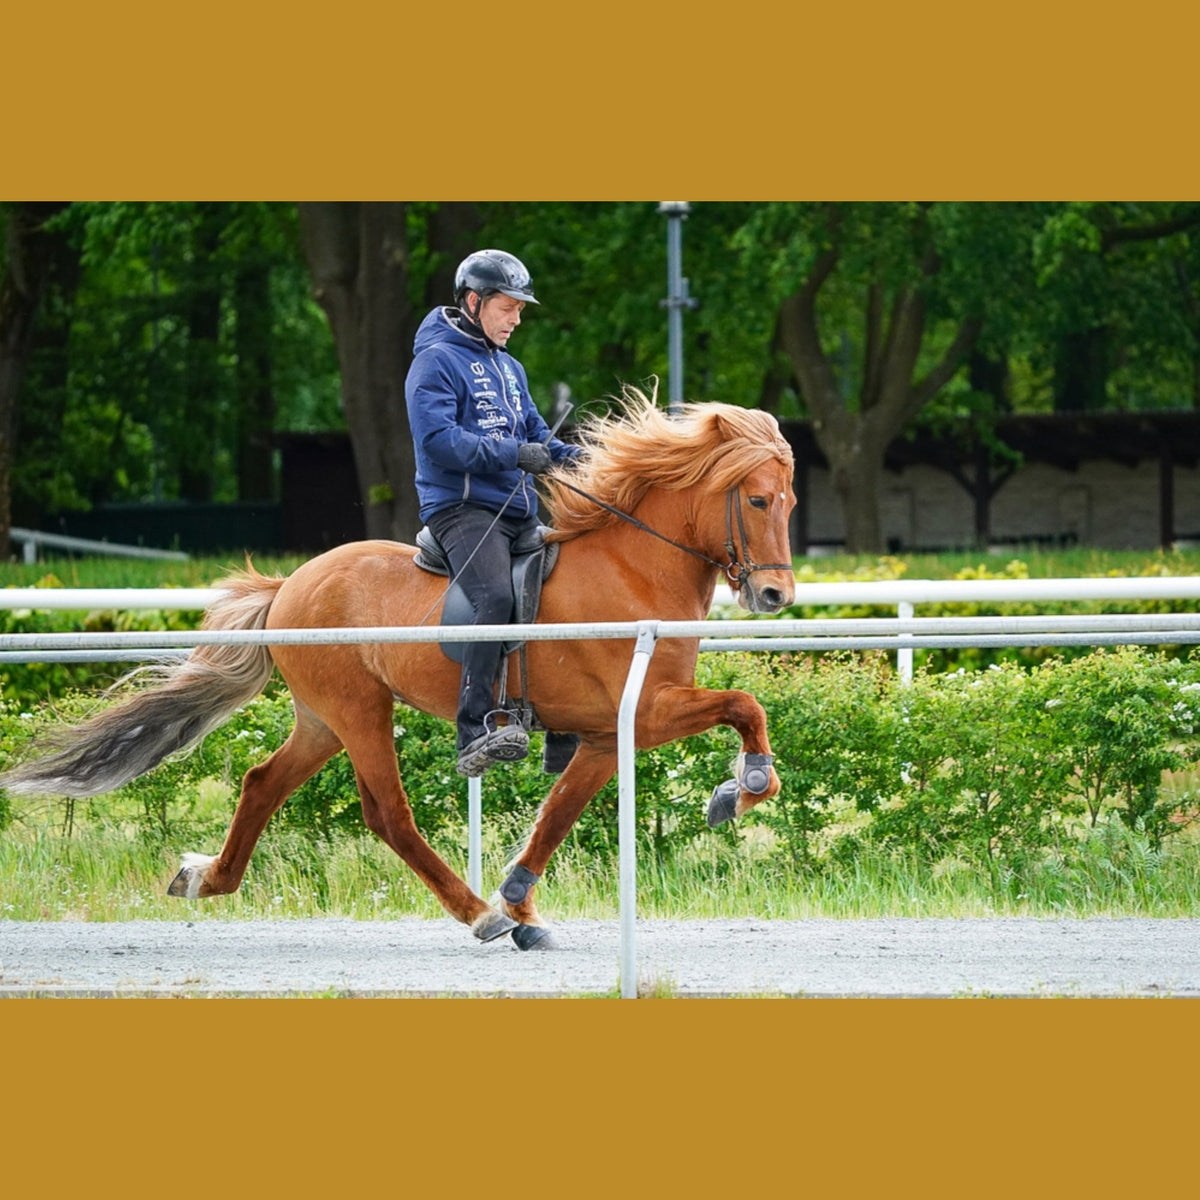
1003 768
1122 718
980 779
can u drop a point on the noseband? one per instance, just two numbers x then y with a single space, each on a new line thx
740 566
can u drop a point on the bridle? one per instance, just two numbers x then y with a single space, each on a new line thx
740 566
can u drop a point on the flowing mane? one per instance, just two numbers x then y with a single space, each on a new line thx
641 447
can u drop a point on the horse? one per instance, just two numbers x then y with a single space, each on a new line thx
659 508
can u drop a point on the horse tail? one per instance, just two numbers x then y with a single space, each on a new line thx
180 701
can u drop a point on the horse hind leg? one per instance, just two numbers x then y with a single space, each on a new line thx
265 787
387 813
589 770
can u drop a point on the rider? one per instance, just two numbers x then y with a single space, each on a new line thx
478 439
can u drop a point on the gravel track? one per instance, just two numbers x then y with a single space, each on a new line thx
742 957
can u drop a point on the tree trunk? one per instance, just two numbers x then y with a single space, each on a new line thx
854 442
358 256
29 259
1081 371
256 396
197 444
857 478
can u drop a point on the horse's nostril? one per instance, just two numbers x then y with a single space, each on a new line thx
772 598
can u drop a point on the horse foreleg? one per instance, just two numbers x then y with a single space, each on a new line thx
589 770
264 789
675 711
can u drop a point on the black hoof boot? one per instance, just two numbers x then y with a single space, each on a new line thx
533 937
558 751
722 804
516 887
756 773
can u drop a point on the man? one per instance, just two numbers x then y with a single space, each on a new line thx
479 439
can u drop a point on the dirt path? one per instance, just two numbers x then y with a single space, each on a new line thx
901 957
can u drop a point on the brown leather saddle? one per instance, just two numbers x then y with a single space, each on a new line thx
532 561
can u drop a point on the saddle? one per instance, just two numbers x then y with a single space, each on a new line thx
532 561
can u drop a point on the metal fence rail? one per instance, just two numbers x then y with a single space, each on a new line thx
33 540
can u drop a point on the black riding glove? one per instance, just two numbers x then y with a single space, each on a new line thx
534 458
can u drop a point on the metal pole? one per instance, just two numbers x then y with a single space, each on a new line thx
677 299
904 656
627 805
474 833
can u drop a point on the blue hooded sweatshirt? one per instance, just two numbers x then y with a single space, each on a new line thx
470 411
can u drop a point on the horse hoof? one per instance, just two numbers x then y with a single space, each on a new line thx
191 876
722 805
533 937
492 925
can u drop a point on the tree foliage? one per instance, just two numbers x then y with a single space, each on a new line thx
155 350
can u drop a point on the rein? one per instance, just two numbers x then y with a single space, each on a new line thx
736 571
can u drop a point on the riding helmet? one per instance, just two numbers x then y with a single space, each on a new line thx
488 271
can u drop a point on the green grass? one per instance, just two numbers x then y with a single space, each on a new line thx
113 572
1040 564
102 871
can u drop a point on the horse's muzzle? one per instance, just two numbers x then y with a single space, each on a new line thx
765 597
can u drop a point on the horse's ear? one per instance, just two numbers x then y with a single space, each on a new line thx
729 423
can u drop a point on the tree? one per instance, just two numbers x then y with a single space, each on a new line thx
36 257
1119 304
878 307
376 269
175 341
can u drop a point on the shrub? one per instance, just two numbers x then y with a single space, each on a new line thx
980 778
1122 718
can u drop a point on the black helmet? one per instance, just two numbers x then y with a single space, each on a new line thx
488 271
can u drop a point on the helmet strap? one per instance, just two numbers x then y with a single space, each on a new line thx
471 319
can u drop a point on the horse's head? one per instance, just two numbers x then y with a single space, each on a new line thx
748 498
756 512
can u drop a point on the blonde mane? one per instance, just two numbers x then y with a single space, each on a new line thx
642 447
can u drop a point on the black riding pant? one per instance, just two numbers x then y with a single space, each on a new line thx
479 548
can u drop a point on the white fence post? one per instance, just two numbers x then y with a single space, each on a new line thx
475 833
904 655
627 804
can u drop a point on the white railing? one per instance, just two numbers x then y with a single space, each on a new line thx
903 634
33 540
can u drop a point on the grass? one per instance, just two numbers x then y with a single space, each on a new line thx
102 871
1040 564
105 572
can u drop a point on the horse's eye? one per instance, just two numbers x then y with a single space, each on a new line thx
758 502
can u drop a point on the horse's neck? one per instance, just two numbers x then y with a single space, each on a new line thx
632 574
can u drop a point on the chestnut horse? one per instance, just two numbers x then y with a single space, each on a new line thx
658 509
